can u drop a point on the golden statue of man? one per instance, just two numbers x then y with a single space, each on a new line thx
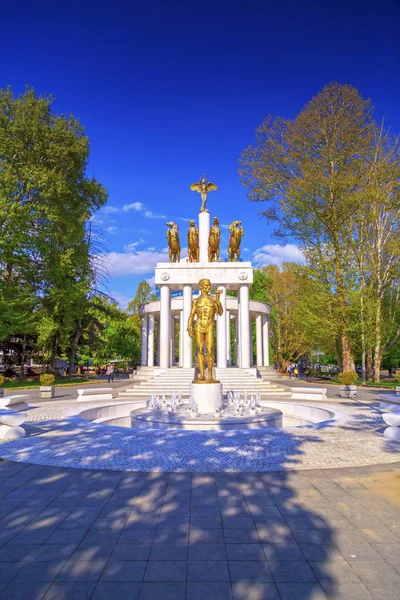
213 242
193 242
204 308
173 242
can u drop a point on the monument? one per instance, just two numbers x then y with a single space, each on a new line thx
194 304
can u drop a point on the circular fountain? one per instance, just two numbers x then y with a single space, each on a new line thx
232 412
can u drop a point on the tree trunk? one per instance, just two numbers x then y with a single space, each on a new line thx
344 337
54 351
368 370
74 346
23 357
377 349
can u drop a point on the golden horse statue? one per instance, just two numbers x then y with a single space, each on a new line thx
173 242
236 231
193 242
213 242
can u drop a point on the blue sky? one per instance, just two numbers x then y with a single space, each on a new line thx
169 90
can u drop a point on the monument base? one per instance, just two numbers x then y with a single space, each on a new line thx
206 396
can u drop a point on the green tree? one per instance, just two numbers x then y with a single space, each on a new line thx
46 201
312 170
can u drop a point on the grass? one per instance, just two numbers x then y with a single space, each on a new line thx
390 385
59 382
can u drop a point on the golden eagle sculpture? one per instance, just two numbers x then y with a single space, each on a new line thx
203 187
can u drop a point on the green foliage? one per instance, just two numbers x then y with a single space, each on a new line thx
397 377
47 379
47 274
2 379
348 377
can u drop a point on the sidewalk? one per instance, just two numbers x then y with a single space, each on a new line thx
320 534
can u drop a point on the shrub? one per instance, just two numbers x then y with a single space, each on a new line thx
2 379
47 379
397 377
348 377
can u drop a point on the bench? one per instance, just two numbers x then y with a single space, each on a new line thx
16 402
391 403
89 394
10 424
305 393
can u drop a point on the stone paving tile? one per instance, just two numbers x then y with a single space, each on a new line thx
18 552
130 552
283 552
292 571
217 590
347 591
166 571
50 552
164 591
124 570
81 570
255 591
252 571
301 591
23 591
207 552
208 570
61 590
105 590
40 571
169 551
244 552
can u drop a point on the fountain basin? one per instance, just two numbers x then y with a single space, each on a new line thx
274 416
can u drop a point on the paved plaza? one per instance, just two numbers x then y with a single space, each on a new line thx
91 511
87 534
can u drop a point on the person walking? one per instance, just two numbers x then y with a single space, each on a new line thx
110 373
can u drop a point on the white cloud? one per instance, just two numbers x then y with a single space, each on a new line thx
274 254
112 229
224 226
108 209
150 215
120 264
138 206
151 249
122 299
131 247
151 281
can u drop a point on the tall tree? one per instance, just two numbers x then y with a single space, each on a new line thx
311 169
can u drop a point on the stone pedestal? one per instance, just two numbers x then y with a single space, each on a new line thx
204 230
205 395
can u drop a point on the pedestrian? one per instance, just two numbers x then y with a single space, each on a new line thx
290 370
296 372
110 373
301 371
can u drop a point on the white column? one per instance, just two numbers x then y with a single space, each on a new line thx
204 230
259 340
187 340
228 338
237 349
265 342
251 358
144 341
221 332
150 341
173 349
158 343
181 330
165 325
244 327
